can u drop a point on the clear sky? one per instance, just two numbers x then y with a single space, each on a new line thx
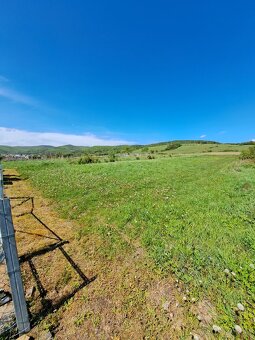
107 72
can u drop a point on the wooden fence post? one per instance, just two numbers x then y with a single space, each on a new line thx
13 267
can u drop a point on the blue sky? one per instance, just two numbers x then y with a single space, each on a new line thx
109 72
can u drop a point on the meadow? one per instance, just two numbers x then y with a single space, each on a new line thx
196 148
194 217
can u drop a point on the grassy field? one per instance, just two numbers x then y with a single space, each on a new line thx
186 147
198 148
194 216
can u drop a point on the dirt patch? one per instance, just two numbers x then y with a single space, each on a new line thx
162 292
205 311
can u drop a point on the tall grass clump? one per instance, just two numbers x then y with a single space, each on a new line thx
88 160
249 153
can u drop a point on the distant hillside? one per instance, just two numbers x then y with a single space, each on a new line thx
71 150
186 141
65 150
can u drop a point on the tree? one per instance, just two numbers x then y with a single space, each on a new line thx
172 146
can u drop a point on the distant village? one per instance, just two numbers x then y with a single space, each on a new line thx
21 157
25 157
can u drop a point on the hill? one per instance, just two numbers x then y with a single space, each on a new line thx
71 150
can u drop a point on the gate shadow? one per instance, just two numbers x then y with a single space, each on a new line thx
48 306
9 179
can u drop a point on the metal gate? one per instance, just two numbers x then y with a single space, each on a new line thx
13 309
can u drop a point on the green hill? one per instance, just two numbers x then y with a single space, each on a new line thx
190 146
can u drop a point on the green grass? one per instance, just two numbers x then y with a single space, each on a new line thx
195 216
191 148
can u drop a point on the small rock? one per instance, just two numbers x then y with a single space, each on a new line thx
252 266
199 317
226 271
233 274
171 315
193 300
30 292
5 297
216 329
240 307
184 298
166 305
238 329
177 304
196 337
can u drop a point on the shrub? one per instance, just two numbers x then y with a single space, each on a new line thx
150 157
249 153
112 158
87 160
172 146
